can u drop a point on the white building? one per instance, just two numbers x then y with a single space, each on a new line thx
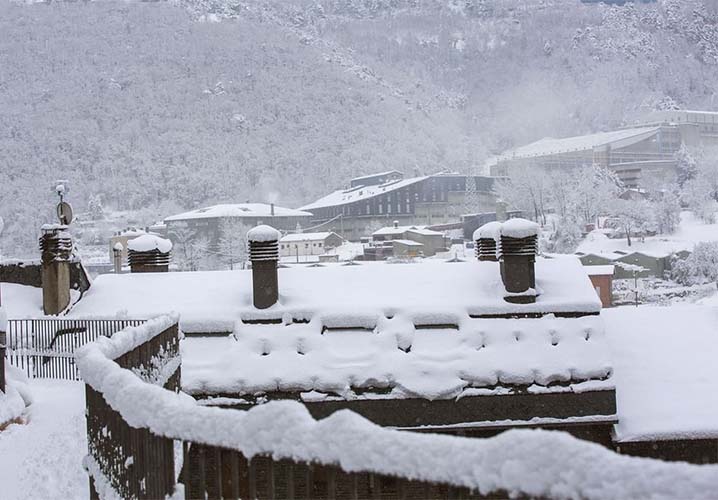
304 244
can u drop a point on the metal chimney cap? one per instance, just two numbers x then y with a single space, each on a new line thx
263 234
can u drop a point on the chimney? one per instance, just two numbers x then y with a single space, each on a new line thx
117 257
271 208
149 254
517 253
264 254
485 239
56 252
396 224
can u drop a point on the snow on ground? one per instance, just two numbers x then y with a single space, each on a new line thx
42 458
690 232
665 362
21 301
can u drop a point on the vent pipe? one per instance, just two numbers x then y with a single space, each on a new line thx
517 252
56 253
149 254
264 255
485 239
117 257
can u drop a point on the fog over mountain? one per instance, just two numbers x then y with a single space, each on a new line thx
160 107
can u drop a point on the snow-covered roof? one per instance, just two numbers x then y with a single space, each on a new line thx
360 193
306 237
599 270
423 309
371 176
409 243
550 146
148 243
390 230
665 371
481 357
238 210
424 231
342 295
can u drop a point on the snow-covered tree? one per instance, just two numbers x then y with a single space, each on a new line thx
565 237
232 244
94 208
701 266
686 168
635 217
527 189
667 211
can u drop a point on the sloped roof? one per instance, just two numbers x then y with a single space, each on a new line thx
238 210
371 176
551 146
307 236
360 193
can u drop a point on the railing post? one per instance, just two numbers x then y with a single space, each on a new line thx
3 340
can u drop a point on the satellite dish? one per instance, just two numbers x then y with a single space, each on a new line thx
64 213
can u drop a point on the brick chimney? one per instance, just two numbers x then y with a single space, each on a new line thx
517 253
264 253
56 252
149 254
485 239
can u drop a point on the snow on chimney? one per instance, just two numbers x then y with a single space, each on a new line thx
264 254
517 248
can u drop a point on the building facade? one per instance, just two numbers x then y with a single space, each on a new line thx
304 244
207 222
646 149
375 201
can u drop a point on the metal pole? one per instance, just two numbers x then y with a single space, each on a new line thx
635 285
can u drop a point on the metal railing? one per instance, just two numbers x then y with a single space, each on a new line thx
45 348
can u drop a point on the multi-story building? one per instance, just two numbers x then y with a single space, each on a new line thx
646 149
377 200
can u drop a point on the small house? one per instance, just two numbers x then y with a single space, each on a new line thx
407 248
432 241
602 280
308 244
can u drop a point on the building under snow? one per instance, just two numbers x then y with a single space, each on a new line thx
207 222
647 149
308 244
467 348
377 200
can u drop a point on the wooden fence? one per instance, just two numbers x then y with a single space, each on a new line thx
135 462
45 348
213 473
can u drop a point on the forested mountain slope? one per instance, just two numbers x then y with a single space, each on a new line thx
207 101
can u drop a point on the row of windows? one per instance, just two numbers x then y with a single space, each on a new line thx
285 246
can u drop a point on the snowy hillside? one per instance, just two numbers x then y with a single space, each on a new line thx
165 107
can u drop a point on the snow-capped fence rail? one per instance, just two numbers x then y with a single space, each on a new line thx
45 348
127 461
278 450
